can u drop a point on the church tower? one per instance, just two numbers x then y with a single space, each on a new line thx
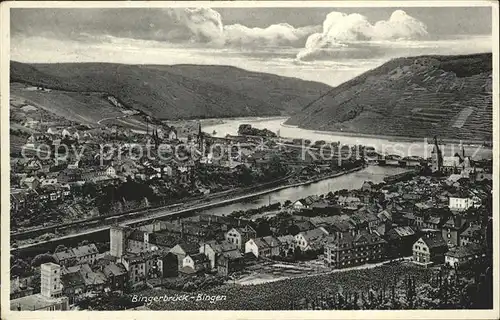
436 157
200 137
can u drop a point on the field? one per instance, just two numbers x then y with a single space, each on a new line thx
279 295
81 107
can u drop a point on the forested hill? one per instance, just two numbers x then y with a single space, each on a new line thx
449 96
179 91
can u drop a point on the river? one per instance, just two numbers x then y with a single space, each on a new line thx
384 145
387 145
353 180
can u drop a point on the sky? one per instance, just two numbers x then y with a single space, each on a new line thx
330 45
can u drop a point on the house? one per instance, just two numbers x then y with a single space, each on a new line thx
452 229
139 241
53 131
48 182
111 171
79 255
39 302
349 202
195 263
460 202
311 240
298 205
364 220
400 241
430 222
32 124
93 281
65 258
239 236
392 160
86 254
21 198
229 262
353 250
73 286
336 226
172 134
183 249
451 164
214 249
412 161
34 164
430 249
300 226
65 133
30 182
135 266
265 246
465 255
19 289
472 234
384 216
367 186
116 275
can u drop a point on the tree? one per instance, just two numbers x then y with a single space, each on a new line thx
275 168
263 228
60 248
20 268
41 259
89 189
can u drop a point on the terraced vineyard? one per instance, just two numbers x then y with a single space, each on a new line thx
416 97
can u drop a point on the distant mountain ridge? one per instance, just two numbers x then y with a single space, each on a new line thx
179 91
449 96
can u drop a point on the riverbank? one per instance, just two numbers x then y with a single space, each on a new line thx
428 140
406 139
192 209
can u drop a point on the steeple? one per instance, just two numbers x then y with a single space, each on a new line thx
200 137
437 157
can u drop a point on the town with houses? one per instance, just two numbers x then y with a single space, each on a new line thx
437 214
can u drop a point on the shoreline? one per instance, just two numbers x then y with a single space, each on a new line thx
390 138
406 139
188 210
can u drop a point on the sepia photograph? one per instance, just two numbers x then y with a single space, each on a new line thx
249 156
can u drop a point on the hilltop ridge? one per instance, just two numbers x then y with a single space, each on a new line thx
449 96
179 91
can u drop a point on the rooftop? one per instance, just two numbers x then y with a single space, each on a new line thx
34 302
466 251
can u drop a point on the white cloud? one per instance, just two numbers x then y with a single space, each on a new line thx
204 25
275 35
341 30
399 26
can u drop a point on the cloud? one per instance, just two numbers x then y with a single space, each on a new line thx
275 35
341 31
204 25
197 25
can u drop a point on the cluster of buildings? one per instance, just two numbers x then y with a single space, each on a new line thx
433 220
